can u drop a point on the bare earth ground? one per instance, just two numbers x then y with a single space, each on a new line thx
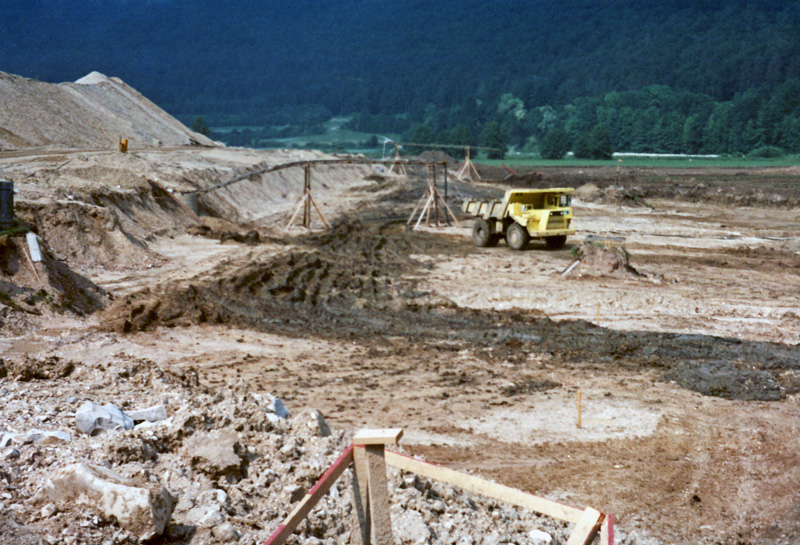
479 353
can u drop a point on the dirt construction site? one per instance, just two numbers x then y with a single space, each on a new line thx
246 354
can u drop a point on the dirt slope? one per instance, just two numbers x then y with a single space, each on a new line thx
94 111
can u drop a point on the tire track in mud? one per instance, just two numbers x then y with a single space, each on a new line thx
358 282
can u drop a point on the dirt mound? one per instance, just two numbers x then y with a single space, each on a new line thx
727 380
438 157
603 261
616 195
30 287
353 266
99 110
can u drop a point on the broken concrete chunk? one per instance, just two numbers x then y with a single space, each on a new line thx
142 511
272 404
92 418
217 454
151 414
313 421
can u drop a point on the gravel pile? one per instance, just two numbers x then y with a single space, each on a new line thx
130 452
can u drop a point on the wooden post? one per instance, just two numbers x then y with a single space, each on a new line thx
607 531
446 219
373 443
579 409
307 193
586 528
361 531
306 201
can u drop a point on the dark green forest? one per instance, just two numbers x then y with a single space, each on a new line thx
706 76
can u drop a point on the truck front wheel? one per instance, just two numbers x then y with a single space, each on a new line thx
556 243
517 236
482 234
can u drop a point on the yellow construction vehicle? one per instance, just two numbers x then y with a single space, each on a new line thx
521 215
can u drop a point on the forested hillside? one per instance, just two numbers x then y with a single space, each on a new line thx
674 76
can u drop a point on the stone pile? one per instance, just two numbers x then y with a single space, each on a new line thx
128 451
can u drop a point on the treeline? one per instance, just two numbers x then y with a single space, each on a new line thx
465 66
655 119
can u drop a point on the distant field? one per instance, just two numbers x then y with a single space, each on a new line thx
682 162
338 138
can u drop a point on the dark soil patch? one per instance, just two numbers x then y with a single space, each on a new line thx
529 386
635 186
27 368
727 380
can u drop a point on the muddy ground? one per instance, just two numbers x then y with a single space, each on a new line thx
689 368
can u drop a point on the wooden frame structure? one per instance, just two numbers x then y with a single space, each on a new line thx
432 200
306 201
368 454
397 167
468 170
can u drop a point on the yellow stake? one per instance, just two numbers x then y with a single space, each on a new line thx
579 409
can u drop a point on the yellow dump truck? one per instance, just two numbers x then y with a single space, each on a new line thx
521 215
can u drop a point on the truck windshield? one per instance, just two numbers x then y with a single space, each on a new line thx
566 200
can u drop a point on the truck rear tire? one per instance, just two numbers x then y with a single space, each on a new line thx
517 237
482 233
556 243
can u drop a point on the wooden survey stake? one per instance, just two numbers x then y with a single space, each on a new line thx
375 519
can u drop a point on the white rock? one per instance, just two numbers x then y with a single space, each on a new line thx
155 413
49 510
539 538
142 511
91 418
205 515
225 532
410 527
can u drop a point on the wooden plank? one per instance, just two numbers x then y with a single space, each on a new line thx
607 531
386 436
361 532
379 513
586 528
422 214
290 523
484 487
